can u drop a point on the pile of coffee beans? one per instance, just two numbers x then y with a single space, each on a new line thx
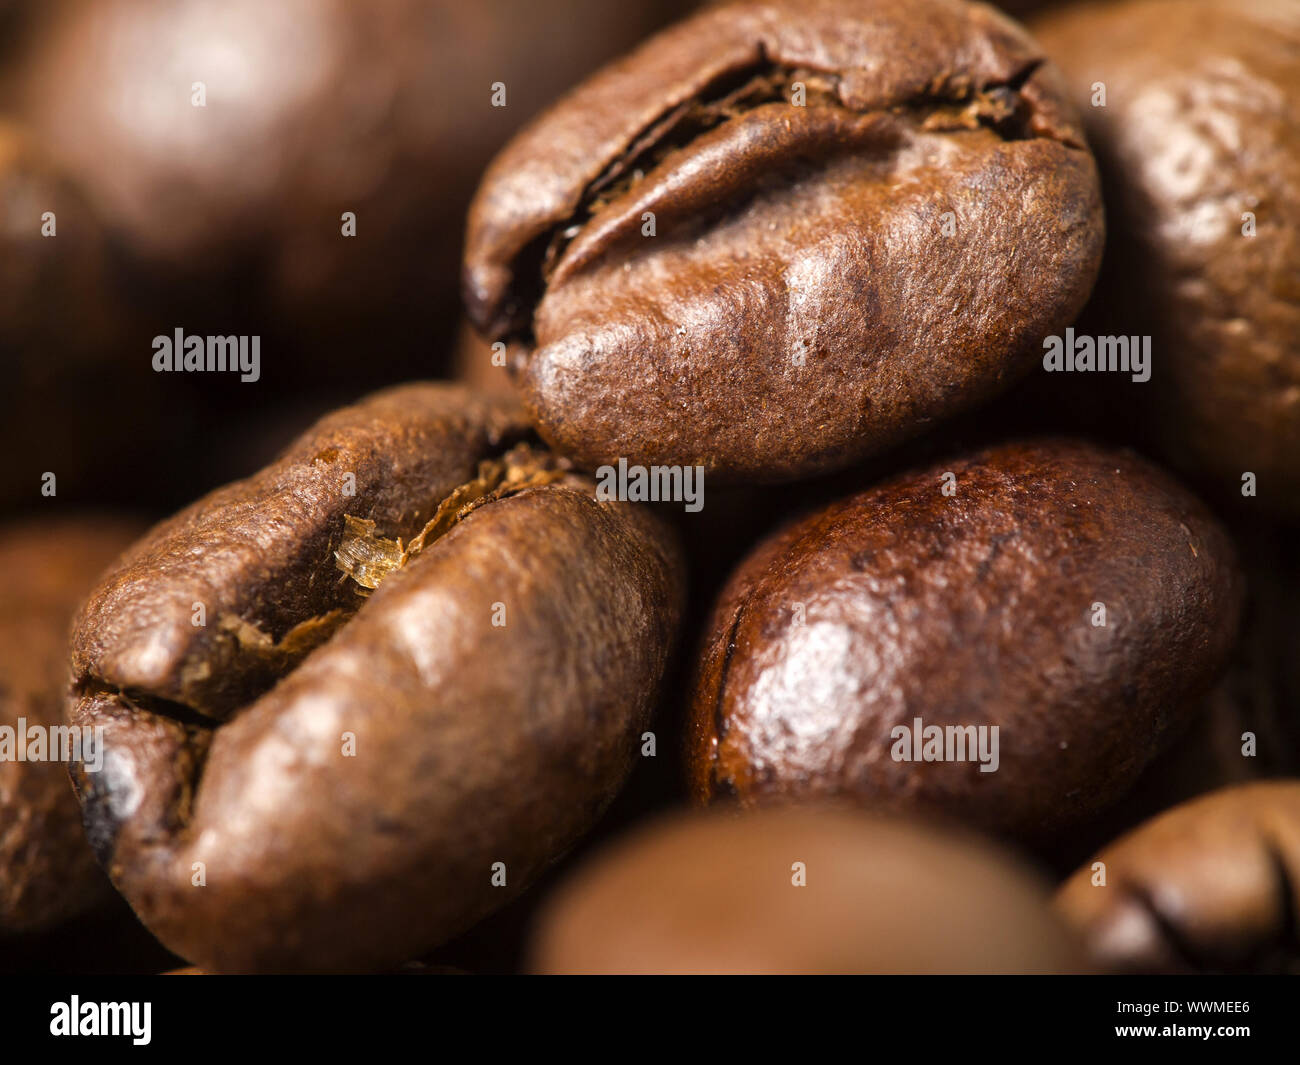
854 529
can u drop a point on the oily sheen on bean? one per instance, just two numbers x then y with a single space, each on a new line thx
445 716
967 598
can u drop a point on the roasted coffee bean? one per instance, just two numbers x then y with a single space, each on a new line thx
1048 609
1198 142
1212 885
309 109
808 891
47 871
424 752
782 236
1248 727
227 219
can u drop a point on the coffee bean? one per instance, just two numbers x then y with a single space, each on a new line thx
782 236
808 891
425 751
228 219
1211 885
266 124
1050 610
47 872
1248 726
1198 140
354 706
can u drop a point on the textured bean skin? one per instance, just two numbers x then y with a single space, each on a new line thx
1259 695
47 871
732 906
261 550
1211 885
1200 127
970 609
475 743
800 305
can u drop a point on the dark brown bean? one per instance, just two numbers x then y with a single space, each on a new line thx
313 108
866 216
969 603
1199 145
721 894
493 689
1248 726
1211 885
